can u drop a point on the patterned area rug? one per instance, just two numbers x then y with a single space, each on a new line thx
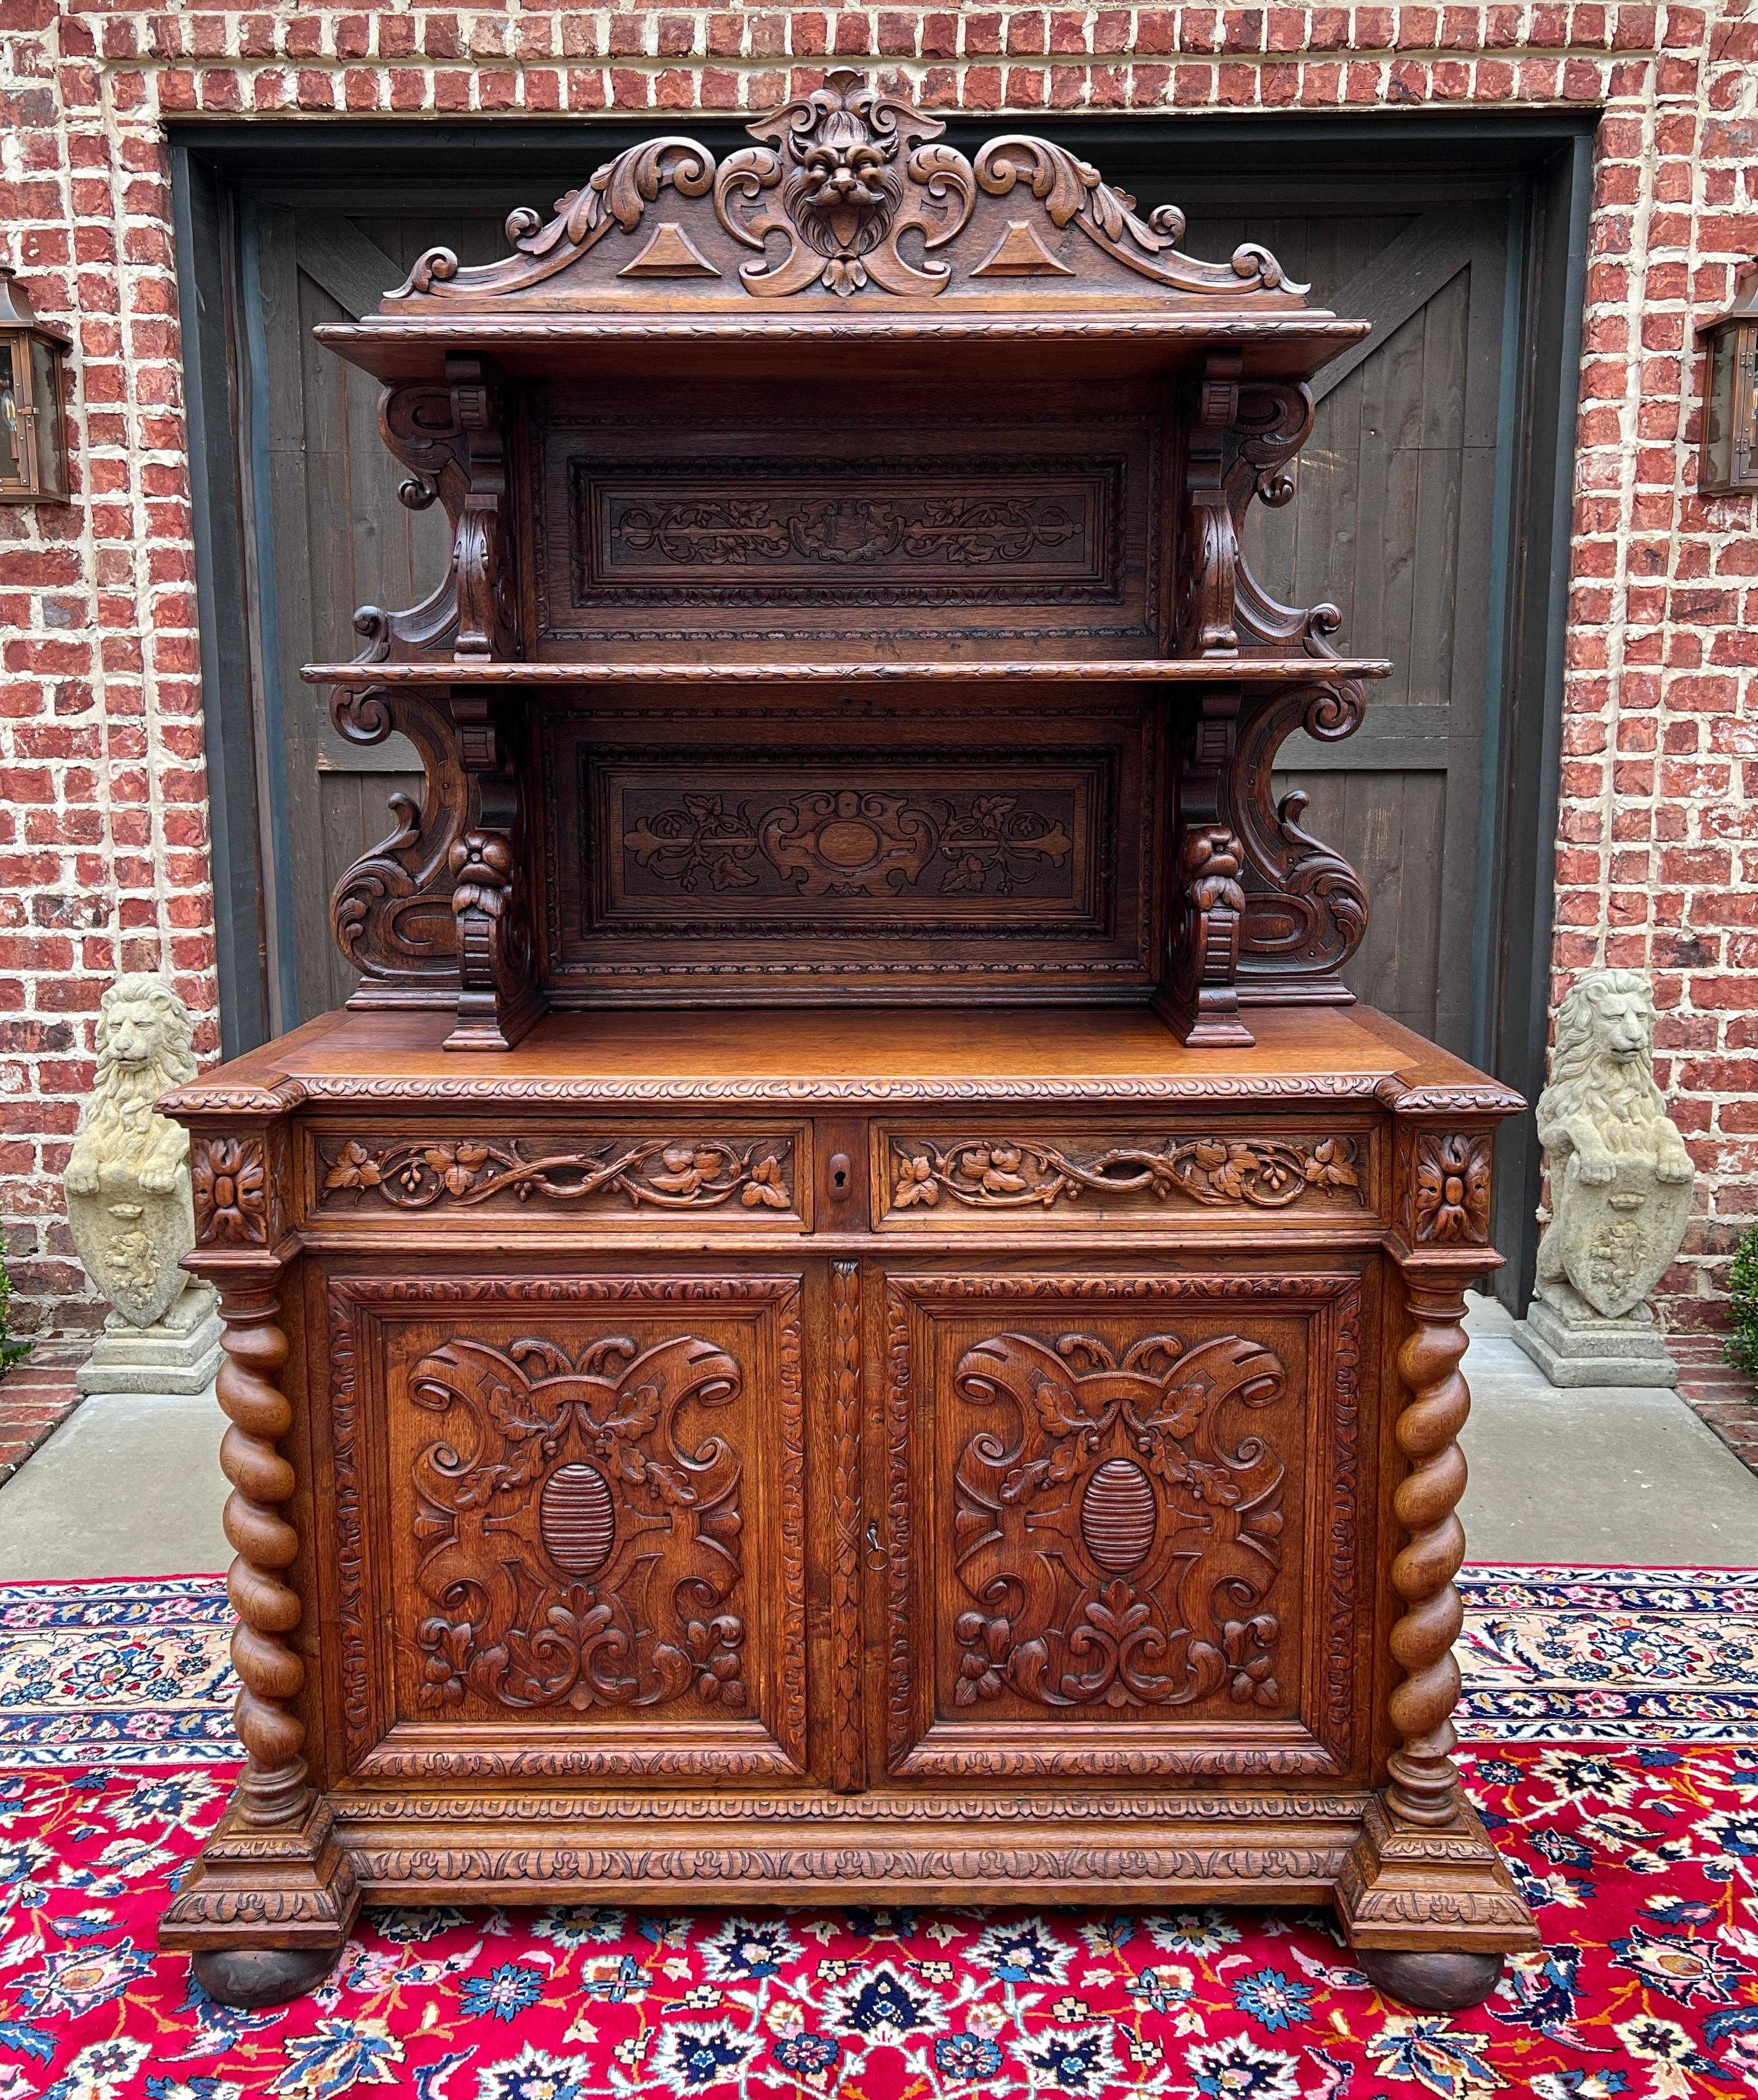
1623 1706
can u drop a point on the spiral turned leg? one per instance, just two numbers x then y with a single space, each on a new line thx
267 1907
272 1792
1424 1781
1428 1908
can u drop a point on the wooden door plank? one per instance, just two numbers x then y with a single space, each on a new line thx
1400 282
352 269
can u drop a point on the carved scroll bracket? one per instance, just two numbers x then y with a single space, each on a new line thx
1211 563
453 439
391 911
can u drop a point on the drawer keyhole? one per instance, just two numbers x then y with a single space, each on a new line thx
842 1173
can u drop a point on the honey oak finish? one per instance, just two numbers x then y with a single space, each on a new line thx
850 1309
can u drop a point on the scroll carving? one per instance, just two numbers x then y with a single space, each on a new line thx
1115 1534
841 173
1305 907
677 1173
1004 1173
838 843
391 911
579 1526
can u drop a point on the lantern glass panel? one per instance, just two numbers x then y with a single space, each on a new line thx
46 398
1719 408
9 467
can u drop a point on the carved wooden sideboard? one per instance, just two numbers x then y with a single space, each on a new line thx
851 1309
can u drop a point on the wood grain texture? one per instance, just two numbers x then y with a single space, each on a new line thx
854 1296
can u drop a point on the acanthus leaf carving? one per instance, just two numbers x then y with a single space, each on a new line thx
659 1619
1115 1539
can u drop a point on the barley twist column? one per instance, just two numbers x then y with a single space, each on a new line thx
272 1792
1424 1781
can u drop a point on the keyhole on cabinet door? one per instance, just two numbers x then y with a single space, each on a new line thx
841 1173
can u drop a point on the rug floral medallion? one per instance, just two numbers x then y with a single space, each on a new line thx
1612 1721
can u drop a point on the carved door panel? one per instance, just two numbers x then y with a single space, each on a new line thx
1123 1517
569 1525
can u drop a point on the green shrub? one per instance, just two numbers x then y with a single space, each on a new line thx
1741 1350
11 1348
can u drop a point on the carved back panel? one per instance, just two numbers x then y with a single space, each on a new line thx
834 847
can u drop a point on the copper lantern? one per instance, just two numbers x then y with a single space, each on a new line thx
32 402
1727 460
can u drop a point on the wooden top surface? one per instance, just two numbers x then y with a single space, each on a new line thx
728 670
830 1055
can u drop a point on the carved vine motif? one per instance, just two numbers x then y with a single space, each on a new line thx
849 531
1012 1174
679 1174
581 1548
1449 1201
229 1179
1115 1539
849 842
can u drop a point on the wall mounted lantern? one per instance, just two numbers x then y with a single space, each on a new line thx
1727 459
32 401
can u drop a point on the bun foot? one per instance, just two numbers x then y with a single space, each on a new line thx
252 1977
1433 1982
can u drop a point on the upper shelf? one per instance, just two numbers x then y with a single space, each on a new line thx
1157 670
847 241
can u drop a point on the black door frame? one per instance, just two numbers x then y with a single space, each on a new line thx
1541 159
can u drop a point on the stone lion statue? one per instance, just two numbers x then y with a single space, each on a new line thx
1620 1175
127 1180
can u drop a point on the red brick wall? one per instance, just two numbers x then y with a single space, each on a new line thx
103 834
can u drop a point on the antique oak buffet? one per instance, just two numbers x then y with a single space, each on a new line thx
850 1309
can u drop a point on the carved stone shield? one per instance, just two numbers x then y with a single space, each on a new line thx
1617 1240
131 1242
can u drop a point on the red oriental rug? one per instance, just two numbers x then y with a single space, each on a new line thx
1612 1716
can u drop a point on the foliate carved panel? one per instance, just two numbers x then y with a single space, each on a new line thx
931 1177
989 529
1112 1540
1116 1493
710 866
825 528
230 1180
1443 1187
592 1550
643 1177
830 841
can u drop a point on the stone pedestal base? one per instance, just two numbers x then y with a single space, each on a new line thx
179 1353
1574 1345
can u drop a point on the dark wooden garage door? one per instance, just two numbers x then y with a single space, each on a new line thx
1395 523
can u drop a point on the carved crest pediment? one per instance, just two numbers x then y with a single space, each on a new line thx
848 191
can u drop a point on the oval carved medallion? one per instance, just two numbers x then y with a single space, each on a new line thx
577 1519
1119 1516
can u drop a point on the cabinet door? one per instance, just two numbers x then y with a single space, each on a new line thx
568 1525
1125 1524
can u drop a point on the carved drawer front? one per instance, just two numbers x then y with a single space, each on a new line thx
587 1554
606 1177
1003 1173
1122 1518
